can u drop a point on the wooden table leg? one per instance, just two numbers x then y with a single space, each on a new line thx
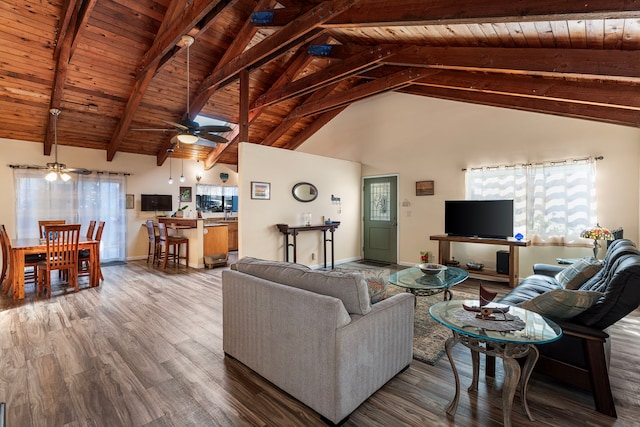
475 363
17 267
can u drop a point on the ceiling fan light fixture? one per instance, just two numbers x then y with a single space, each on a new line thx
51 176
187 138
65 176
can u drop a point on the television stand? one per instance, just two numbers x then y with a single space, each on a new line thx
444 253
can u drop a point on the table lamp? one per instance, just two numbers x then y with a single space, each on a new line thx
596 233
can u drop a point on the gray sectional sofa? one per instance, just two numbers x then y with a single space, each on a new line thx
315 334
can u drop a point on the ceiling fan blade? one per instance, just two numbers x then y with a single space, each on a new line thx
213 138
214 128
178 125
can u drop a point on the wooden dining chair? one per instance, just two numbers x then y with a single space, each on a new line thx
61 255
170 247
84 260
30 261
44 223
84 254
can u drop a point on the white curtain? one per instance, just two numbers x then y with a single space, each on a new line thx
553 202
99 197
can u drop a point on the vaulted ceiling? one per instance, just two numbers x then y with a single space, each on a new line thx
282 70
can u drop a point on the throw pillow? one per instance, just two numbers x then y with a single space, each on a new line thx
377 282
576 274
561 303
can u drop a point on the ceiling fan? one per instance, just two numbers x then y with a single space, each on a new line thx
190 131
56 169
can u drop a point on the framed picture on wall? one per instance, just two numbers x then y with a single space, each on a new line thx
260 190
185 194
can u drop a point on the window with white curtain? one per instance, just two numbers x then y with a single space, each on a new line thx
553 202
99 197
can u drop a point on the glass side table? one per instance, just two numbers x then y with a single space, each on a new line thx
421 284
478 336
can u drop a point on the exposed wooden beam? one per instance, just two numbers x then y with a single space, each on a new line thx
244 106
291 119
369 58
289 34
592 64
314 127
624 117
605 94
446 12
361 91
239 44
178 25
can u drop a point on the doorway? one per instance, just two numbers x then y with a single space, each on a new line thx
380 219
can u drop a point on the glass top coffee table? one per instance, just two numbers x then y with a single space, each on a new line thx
509 338
421 284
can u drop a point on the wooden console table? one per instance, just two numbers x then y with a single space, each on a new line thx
444 254
293 231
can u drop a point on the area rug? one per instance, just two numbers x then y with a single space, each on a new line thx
429 336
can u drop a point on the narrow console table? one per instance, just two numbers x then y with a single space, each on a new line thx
293 231
444 253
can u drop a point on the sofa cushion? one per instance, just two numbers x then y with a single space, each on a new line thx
561 303
573 276
350 288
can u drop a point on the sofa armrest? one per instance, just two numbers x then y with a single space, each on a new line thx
547 269
372 349
581 331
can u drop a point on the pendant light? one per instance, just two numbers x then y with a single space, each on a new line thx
182 168
170 177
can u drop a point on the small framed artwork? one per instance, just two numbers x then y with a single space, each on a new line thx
260 190
185 194
424 188
129 201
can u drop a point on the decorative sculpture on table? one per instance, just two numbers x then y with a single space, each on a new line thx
486 308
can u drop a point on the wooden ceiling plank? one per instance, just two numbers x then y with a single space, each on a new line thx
292 31
86 9
622 117
577 63
177 26
375 13
361 91
176 29
239 44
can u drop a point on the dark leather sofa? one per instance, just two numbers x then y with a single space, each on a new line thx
581 356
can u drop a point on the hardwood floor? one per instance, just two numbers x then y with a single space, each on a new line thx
145 349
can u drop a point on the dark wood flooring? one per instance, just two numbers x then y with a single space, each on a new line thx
145 349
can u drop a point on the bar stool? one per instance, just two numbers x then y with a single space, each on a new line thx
170 246
153 249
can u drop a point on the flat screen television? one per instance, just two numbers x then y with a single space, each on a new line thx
479 218
156 202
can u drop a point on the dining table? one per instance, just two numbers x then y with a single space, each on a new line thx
33 245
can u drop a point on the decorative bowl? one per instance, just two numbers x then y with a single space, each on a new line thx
429 268
475 266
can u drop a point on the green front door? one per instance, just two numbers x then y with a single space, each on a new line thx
381 219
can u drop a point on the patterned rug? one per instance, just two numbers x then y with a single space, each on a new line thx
429 336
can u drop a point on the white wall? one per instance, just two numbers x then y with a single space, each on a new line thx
146 177
259 236
429 139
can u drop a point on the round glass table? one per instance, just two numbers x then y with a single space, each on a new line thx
508 336
421 284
